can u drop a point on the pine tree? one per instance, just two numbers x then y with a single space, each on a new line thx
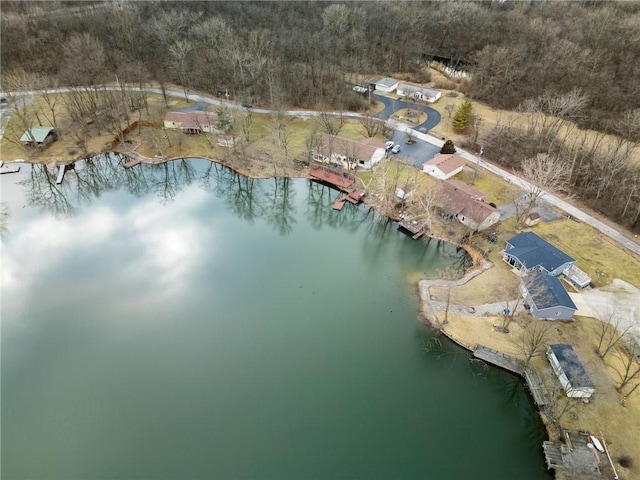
448 147
463 117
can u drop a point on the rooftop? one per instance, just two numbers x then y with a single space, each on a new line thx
455 200
547 291
446 162
193 119
532 250
38 134
430 92
571 365
359 149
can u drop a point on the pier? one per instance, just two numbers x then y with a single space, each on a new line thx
332 178
415 228
9 169
132 163
339 203
61 170
536 387
500 359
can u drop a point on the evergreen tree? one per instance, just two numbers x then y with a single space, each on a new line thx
463 117
448 147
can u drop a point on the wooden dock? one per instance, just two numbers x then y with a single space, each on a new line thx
536 387
339 203
332 178
415 229
61 170
132 163
355 196
9 169
500 359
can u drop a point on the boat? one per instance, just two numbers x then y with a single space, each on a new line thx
596 443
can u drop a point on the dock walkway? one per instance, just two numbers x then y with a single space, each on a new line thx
332 178
500 359
536 387
61 170
9 169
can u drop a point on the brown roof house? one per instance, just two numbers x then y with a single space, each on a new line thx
443 166
191 122
365 153
459 200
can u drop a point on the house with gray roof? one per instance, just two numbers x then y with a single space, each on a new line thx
546 297
39 136
527 252
570 371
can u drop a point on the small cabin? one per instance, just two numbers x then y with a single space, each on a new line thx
570 371
39 137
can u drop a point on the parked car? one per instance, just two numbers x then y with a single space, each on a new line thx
388 145
395 149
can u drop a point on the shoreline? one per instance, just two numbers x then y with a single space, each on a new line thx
428 307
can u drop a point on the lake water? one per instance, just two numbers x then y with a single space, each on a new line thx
181 321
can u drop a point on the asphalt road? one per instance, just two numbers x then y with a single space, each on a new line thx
391 106
415 154
402 129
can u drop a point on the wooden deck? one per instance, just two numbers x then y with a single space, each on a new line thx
132 163
339 203
61 170
332 178
415 229
355 196
536 387
9 169
500 359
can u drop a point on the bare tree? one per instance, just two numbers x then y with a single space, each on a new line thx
371 125
628 372
533 339
542 173
513 297
179 51
609 331
332 124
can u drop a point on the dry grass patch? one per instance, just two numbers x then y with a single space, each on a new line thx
496 190
410 115
594 251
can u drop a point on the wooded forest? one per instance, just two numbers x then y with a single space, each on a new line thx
302 54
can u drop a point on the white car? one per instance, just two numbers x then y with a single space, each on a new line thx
395 149
388 145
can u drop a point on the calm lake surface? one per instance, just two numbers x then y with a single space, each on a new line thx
181 321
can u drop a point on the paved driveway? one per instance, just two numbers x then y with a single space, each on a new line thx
415 154
391 106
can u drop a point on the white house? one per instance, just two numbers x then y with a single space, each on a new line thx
569 370
348 153
425 94
384 85
443 166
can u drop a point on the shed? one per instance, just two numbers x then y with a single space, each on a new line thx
443 166
570 371
405 191
546 297
39 136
